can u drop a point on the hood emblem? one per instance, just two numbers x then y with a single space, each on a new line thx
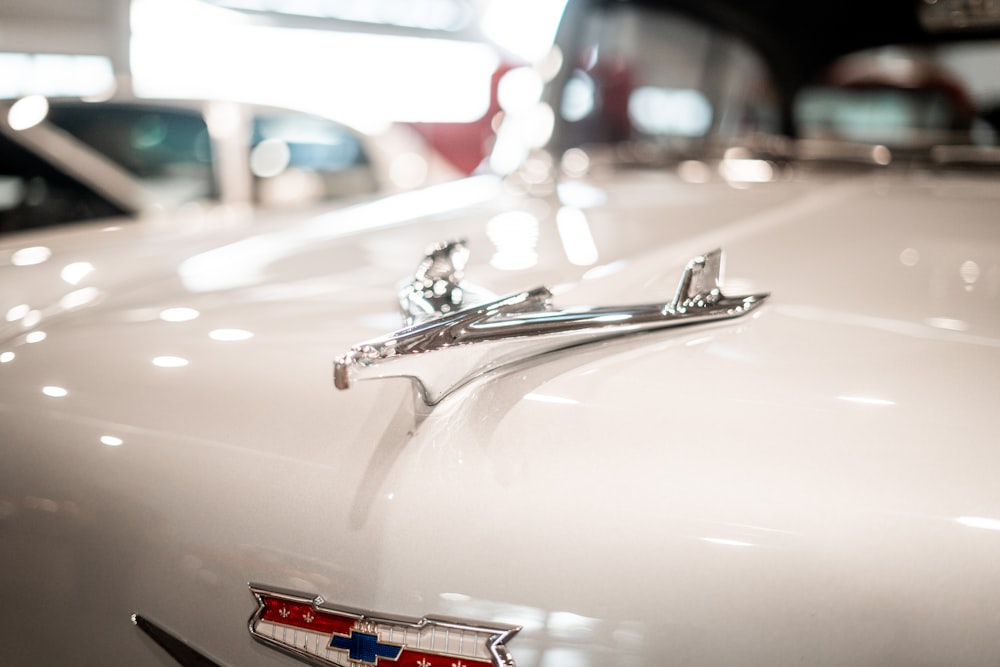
469 340
317 632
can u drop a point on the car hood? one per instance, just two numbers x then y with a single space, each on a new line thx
808 475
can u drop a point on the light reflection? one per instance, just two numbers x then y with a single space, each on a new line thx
27 112
866 400
168 361
577 240
548 398
537 169
580 194
30 256
575 162
628 636
694 342
35 337
983 522
241 263
549 66
909 257
7 357
683 112
606 270
539 125
269 158
54 391
947 323
450 15
744 170
41 504
508 151
75 272
53 74
567 625
969 272
881 155
898 327
223 119
579 97
515 235
111 441
694 171
455 597
226 335
408 170
504 23
402 64
79 298
32 318
179 314
727 542
18 312
531 619
519 90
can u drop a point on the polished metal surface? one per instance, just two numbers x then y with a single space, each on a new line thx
525 325
436 285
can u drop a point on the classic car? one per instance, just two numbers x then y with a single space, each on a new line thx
190 161
702 373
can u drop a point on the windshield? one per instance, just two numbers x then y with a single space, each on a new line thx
34 193
906 98
169 150
662 80
656 85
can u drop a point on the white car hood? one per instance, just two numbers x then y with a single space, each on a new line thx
815 481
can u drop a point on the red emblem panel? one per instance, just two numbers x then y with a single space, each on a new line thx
314 630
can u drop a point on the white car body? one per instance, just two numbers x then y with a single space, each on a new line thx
814 483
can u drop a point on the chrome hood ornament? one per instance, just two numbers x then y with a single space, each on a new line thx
313 630
436 288
443 348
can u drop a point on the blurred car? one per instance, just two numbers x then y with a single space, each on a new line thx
525 418
71 160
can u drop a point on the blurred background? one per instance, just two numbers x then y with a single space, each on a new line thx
220 108
433 65
211 109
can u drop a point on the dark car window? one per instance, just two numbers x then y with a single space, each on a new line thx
662 79
881 114
302 159
901 98
33 193
169 150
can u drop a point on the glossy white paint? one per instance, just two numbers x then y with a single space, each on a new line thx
815 483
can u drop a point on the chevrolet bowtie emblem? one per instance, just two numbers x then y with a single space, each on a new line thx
447 343
315 631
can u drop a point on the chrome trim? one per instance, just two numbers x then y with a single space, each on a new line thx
522 326
436 285
290 641
178 649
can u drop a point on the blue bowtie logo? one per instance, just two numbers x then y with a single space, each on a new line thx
365 647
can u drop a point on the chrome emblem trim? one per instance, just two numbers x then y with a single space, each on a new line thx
484 337
184 653
313 630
